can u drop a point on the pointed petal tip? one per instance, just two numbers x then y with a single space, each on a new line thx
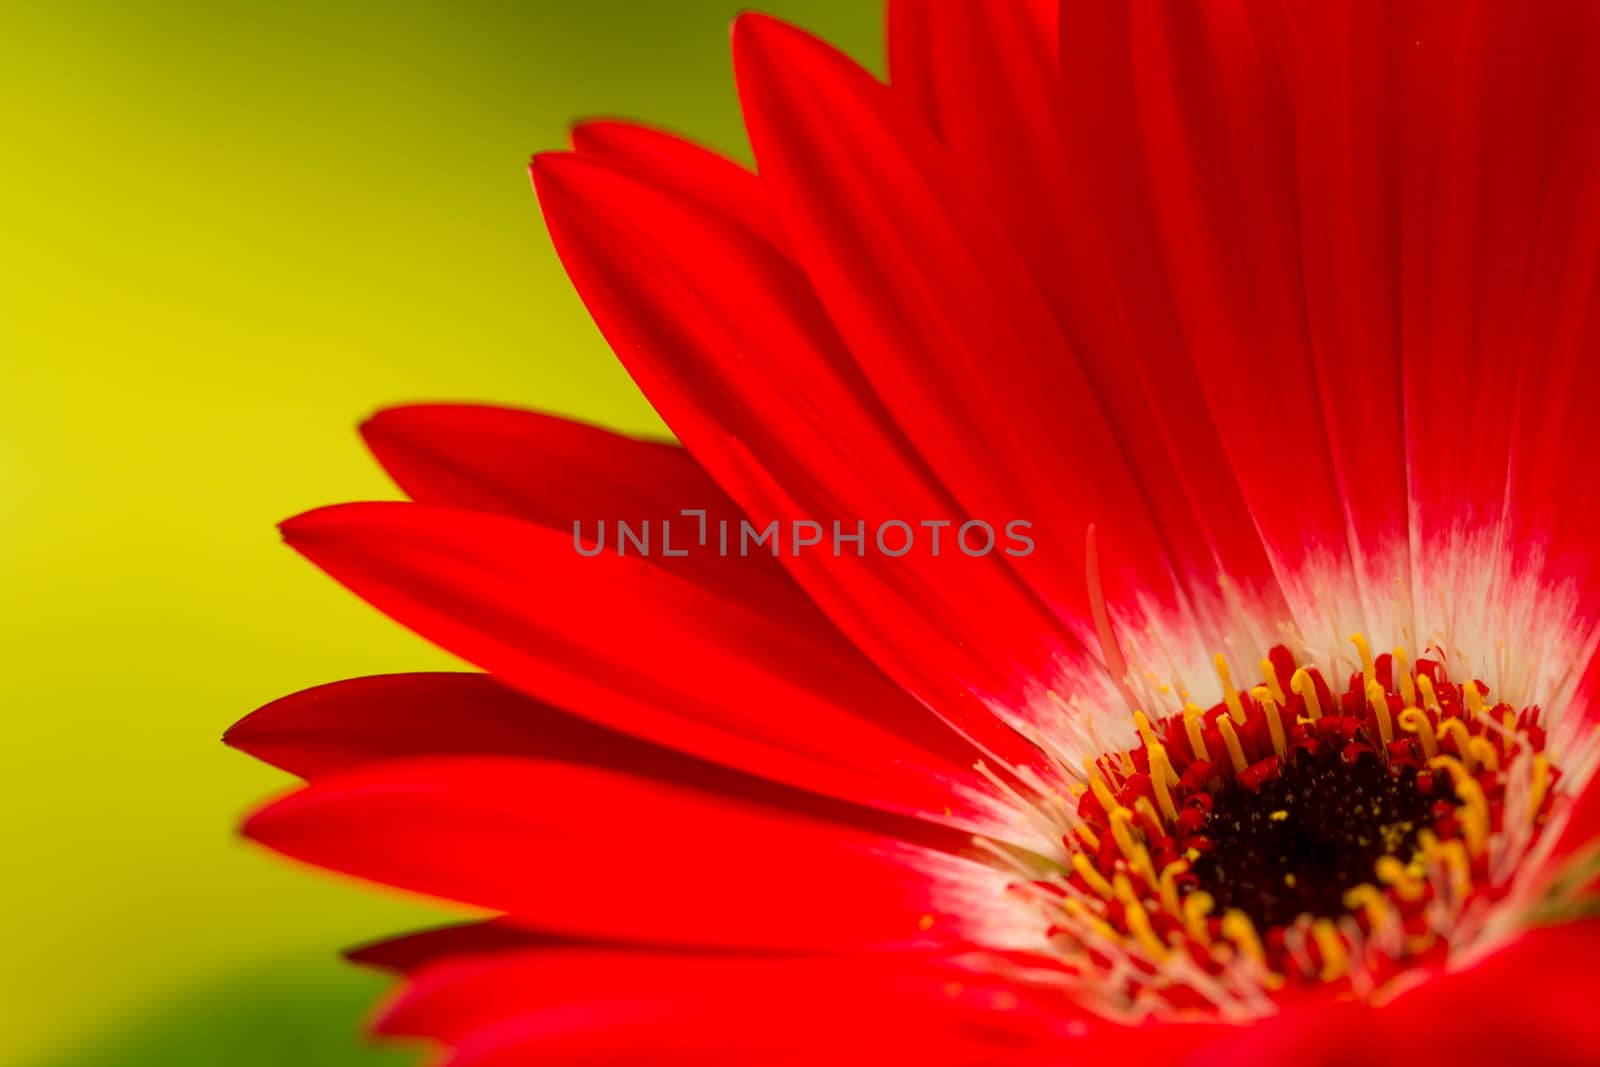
301 529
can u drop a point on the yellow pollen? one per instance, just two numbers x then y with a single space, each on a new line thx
1474 698
1538 785
1370 899
1416 721
1230 694
1152 819
1263 697
1169 886
1237 927
1077 910
1231 740
1196 906
1192 724
1335 957
1142 721
1391 872
1086 870
1402 670
1484 754
1430 699
1278 816
1270 673
1454 856
1474 807
1306 688
1380 707
1419 943
1102 792
1134 852
1509 721
1161 775
1138 919
1369 670
1457 732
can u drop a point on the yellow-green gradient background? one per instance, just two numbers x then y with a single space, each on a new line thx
228 232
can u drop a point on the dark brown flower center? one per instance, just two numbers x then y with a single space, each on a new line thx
1295 845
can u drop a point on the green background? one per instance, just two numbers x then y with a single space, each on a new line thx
229 232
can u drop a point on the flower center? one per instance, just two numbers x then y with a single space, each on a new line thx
1294 845
1292 835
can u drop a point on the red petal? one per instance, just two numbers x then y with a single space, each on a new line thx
978 68
942 315
1185 114
331 728
348 724
452 1000
726 338
687 169
1528 1003
628 645
594 853
457 943
567 475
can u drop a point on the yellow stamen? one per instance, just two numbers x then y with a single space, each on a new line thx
1237 927
1371 900
1304 685
1401 669
1274 724
1430 699
1196 906
1134 852
1231 740
1454 856
1380 707
1088 837
1138 919
1270 673
1192 724
1474 807
1161 776
1230 693
1416 721
1369 670
1151 817
1457 732
1086 870
1335 956
1169 887
1391 872
1102 792
1077 909
1484 754
1538 786
1474 698
1142 722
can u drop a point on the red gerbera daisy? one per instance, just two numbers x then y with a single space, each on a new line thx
1244 357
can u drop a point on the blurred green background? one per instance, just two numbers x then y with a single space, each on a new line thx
229 231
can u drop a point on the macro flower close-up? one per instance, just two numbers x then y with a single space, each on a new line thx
1125 588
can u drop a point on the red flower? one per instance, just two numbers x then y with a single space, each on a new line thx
1292 311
